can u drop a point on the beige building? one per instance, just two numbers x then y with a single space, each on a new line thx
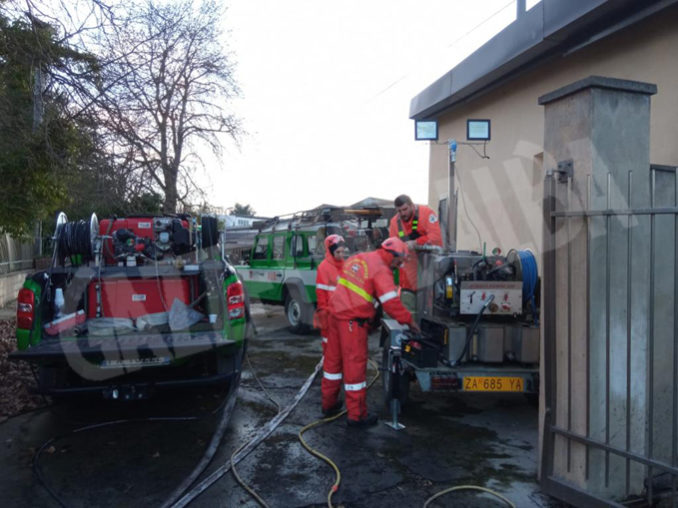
581 168
553 44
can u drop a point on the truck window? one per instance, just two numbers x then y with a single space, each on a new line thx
261 248
318 242
313 245
279 247
298 246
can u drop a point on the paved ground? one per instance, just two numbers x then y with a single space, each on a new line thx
450 440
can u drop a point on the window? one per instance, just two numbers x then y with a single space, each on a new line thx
279 247
261 248
298 245
313 245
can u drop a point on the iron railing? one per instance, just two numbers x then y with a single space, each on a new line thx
611 378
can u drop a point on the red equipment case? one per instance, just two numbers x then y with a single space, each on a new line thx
131 298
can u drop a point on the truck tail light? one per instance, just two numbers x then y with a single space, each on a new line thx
25 309
235 300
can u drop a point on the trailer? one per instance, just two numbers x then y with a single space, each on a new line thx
479 320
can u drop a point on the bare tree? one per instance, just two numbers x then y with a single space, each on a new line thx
166 82
74 25
48 143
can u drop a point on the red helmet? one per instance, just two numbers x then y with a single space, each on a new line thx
395 246
332 242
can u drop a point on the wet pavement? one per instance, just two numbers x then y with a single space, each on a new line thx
449 440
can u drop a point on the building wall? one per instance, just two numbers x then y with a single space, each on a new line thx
500 197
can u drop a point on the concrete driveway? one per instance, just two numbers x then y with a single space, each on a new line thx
449 440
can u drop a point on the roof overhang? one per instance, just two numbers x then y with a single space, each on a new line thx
552 28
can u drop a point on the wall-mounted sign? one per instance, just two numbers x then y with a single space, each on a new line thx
477 130
426 130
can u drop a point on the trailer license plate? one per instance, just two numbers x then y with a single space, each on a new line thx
493 384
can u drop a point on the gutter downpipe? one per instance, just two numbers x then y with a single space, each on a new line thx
451 198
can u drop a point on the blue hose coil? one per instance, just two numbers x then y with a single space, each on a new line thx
530 279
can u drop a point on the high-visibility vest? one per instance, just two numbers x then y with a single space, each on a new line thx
415 226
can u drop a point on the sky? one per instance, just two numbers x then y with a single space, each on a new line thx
326 89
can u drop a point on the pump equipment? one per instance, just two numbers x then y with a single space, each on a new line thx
479 319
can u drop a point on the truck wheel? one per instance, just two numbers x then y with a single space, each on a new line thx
394 386
297 313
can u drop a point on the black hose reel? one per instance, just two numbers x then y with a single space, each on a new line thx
75 240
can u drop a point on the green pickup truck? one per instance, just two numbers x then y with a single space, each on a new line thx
282 264
133 305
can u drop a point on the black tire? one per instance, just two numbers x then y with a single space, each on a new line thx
394 386
298 313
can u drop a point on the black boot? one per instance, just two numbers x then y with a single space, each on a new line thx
368 421
333 410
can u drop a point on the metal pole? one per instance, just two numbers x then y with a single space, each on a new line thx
451 198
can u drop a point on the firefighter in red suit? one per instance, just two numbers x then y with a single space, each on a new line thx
326 281
367 279
414 225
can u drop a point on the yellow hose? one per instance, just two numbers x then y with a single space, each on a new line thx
242 483
337 473
469 487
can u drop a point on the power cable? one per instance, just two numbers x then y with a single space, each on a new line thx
451 44
472 330
479 24
468 216
37 470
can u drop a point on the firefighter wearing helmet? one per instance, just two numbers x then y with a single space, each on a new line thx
366 279
326 281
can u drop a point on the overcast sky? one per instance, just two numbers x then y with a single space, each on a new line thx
326 92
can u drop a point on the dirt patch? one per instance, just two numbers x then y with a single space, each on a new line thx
17 378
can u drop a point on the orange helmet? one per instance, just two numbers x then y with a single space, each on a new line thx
395 246
332 242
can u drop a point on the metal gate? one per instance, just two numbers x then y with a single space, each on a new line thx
610 293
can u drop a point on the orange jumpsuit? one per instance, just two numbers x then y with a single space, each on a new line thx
325 283
366 278
423 227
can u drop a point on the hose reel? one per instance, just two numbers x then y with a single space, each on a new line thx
525 266
76 239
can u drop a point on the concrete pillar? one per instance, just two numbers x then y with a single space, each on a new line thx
597 140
